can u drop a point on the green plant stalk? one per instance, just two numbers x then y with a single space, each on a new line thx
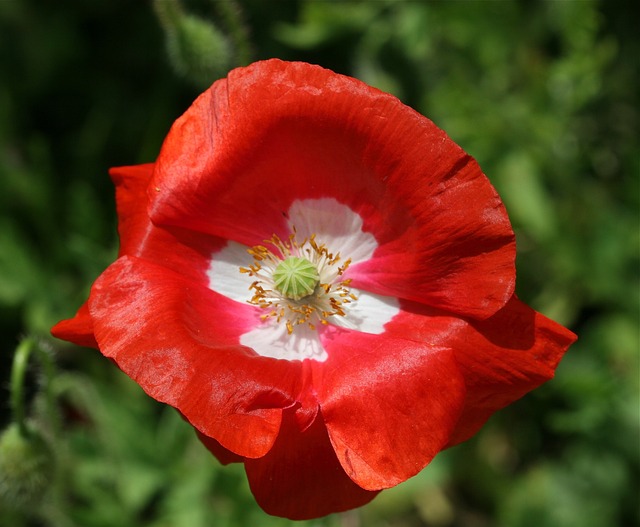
18 374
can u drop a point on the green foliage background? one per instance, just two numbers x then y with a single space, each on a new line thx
544 94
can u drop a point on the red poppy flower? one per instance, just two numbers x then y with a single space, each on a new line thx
321 282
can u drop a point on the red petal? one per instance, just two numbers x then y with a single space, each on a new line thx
131 198
389 404
276 132
185 252
133 225
78 329
527 348
300 478
179 341
501 358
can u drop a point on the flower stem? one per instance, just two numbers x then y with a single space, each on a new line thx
18 374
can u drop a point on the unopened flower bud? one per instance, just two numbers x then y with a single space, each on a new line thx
26 467
198 50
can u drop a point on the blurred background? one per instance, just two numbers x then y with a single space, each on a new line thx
544 94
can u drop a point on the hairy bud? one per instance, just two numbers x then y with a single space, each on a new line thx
26 467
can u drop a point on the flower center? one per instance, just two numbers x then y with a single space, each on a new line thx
296 277
299 283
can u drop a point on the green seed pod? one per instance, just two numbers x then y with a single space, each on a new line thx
296 277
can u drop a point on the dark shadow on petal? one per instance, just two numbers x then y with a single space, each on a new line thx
513 327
